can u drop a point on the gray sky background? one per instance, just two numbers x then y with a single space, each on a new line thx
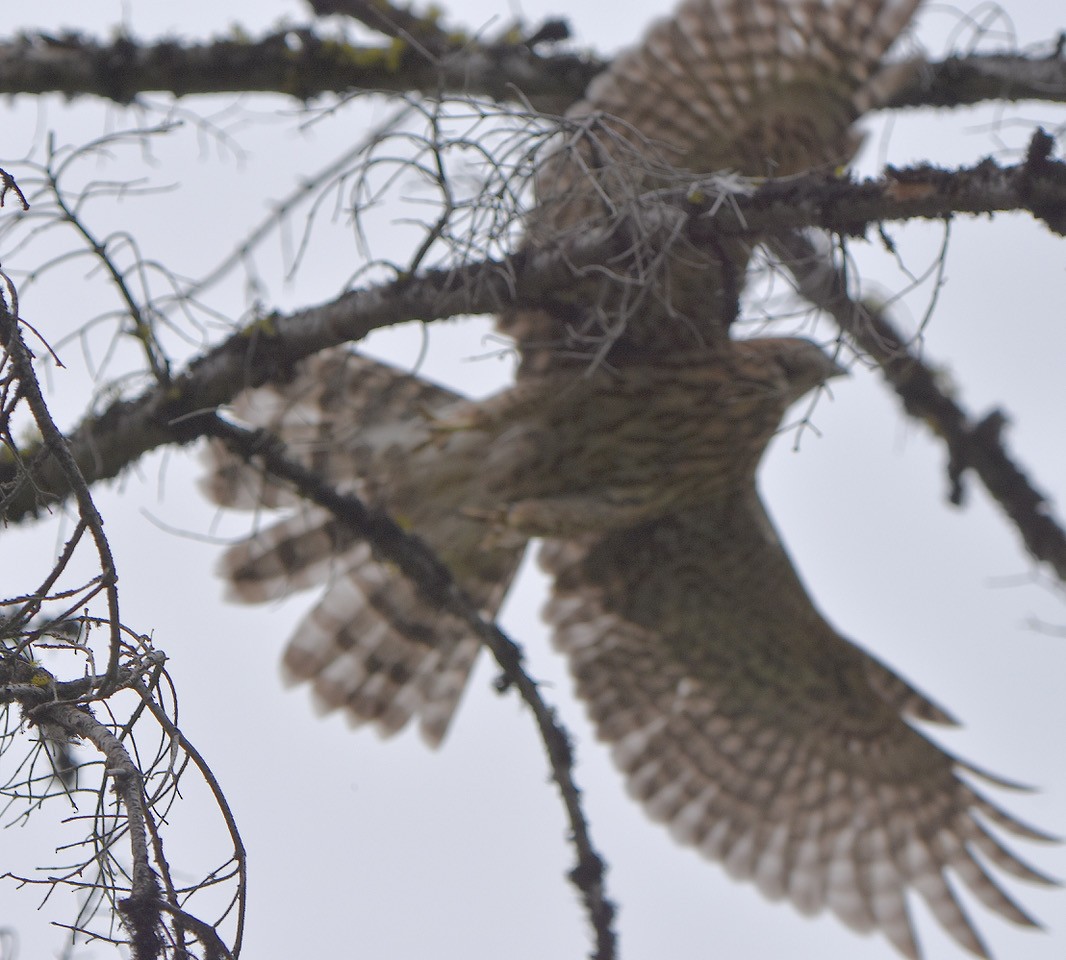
390 850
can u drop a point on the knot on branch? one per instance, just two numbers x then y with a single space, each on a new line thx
987 434
141 915
1044 182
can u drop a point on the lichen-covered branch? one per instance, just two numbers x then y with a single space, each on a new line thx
977 78
139 910
106 444
395 20
296 63
435 582
972 445
299 62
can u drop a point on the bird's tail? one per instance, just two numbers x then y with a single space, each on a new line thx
372 646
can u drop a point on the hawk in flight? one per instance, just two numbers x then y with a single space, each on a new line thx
630 442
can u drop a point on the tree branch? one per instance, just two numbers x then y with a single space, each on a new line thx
62 712
140 910
976 446
433 579
300 63
296 63
104 445
964 81
56 451
392 20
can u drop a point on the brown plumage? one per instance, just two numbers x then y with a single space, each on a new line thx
721 87
476 480
738 715
759 735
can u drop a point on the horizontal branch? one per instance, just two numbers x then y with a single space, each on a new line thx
964 81
923 192
296 63
268 348
104 445
302 64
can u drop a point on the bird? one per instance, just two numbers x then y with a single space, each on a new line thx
477 480
630 444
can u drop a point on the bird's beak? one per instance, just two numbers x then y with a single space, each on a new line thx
836 370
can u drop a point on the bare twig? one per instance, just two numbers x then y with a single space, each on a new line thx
7 183
61 709
393 20
239 853
58 452
140 910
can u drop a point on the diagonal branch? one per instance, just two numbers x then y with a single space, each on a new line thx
102 446
56 451
976 446
435 582
140 910
393 20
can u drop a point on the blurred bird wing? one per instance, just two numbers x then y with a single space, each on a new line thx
723 87
744 722
336 404
763 88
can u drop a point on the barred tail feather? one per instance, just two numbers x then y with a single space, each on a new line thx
373 649
302 551
233 483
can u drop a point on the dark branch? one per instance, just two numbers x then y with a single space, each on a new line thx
265 351
972 445
7 183
433 579
296 63
300 63
402 23
64 463
963 81
140 910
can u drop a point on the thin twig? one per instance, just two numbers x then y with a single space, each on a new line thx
58 451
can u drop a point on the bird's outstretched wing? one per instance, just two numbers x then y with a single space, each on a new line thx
738 715
752 87
762 737
762 87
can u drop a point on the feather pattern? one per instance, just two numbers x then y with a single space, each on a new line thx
740 718
719 88
762 737
370 646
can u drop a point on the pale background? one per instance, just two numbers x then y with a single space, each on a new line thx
388 850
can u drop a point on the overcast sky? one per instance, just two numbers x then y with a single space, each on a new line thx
390 850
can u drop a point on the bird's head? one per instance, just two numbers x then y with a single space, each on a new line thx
801 364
